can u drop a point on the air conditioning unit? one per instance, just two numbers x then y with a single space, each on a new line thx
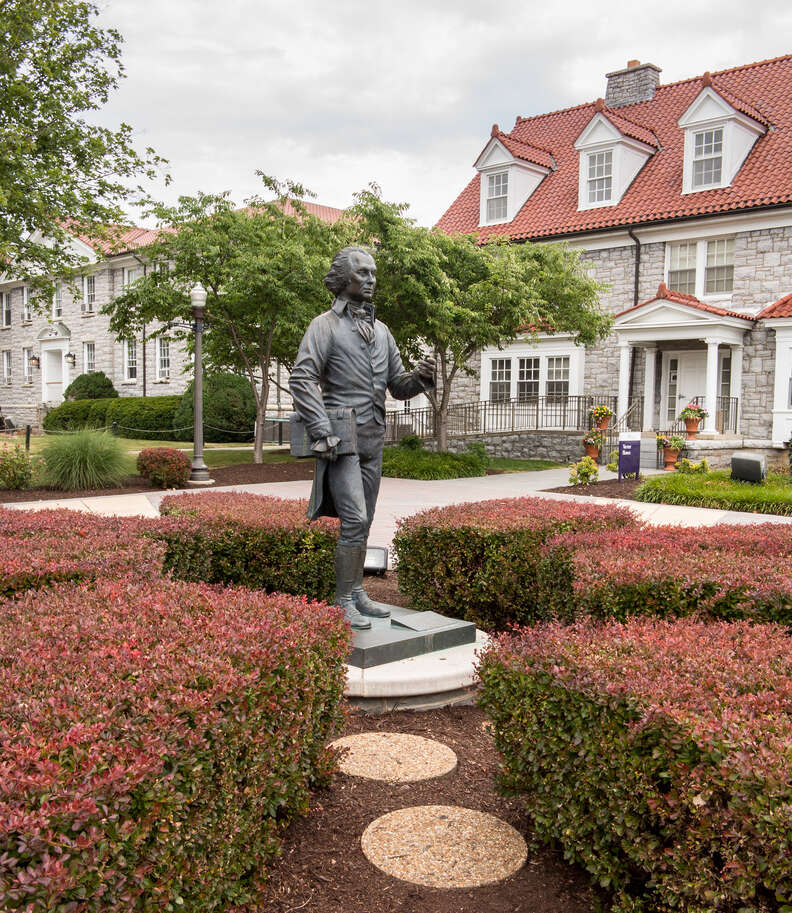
748 467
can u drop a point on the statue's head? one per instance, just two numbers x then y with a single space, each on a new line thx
353 274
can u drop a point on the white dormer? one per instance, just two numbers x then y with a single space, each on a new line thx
508 178
609 162
718 139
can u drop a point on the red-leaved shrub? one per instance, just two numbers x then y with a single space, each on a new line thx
725 571
657 753
481 560
250 540
152 736
38 548
165 467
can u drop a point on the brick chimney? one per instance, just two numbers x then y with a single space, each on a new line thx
637 82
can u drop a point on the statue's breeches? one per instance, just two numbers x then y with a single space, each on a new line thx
353 482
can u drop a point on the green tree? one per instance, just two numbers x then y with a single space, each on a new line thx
450 294
262 268
60 174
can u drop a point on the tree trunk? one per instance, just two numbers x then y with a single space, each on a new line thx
442 429
258 441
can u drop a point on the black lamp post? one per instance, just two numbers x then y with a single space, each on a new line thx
200 472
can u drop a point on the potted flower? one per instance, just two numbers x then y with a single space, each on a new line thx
600 416
593 441
692 415
670 444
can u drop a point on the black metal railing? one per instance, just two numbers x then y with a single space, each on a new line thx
726 411
536 413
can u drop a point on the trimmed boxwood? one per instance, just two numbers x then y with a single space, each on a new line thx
656 754
250 540
135 416
480 561
156 737
229 410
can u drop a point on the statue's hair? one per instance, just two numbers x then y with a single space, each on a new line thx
336 280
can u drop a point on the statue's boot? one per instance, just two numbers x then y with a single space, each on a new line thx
347 558
363 603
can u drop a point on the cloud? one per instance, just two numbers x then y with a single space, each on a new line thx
401 92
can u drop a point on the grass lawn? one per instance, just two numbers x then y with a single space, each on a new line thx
504 464
716 489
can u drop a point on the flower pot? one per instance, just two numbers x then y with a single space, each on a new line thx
669 458
691 427
603 423
591 451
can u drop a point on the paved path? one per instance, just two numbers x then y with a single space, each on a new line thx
402 497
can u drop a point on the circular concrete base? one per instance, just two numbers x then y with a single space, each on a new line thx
395 757
443 846
420 683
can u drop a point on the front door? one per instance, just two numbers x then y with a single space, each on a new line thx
52 375
684 378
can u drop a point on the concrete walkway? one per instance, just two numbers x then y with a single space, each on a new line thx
402 497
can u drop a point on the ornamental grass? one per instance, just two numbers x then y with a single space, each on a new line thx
155 737
656 754
718 490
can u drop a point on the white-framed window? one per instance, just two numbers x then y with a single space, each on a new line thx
7 367
132 274
27 305
702 268
557 375
600 176
725 375
89 294
163 359
527 377
5 309
682 268
707 158
500 379
497 196
57 301
27 367
89 357
527 370
130 359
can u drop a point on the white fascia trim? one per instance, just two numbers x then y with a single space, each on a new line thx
708 228
776 323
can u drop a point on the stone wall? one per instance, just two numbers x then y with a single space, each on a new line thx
718 454
561 446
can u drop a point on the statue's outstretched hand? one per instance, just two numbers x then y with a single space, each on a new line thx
326 448
426 368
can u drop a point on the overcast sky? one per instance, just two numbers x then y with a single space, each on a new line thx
402 92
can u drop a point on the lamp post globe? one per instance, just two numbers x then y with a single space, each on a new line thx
199 474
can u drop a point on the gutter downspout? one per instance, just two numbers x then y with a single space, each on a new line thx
636 281
143 341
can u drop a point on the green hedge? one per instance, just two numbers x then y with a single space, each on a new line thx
157 736
250 540
229 410
481 561
656 754
136 416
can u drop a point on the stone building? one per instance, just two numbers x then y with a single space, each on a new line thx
679 198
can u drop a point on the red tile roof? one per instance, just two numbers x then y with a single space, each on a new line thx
781 308
522 150
125 238
764 179
666 294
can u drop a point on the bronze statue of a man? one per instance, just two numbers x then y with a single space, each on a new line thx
347 359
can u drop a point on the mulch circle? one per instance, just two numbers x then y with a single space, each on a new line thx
608 488
442 846
322 868
396 757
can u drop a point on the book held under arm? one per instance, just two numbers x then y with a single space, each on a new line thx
343 423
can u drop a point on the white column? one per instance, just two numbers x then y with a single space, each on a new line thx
735 388
711 385
649 388
624 377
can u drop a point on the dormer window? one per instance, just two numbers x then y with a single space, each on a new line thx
497 196
707 158
600 176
